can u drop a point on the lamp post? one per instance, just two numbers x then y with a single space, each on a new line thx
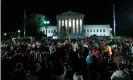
19 33
111 31
5 34
24 23
114 21
46 23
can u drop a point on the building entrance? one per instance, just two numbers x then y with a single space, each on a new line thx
69 30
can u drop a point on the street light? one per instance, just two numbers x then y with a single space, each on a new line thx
110 29
46 23
5 34
19 33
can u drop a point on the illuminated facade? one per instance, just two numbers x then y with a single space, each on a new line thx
51 30
74 24
99 30
72 21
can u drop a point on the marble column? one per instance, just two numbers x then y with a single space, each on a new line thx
59 22
62 23
57 25
77 26
81 22
66 24
73 25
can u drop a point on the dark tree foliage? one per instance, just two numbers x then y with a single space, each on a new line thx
33 24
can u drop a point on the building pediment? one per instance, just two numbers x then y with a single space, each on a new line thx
70 13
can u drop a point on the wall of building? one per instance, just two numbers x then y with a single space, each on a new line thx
99 30
89 30
51 30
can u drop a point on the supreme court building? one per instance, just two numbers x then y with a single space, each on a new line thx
72 21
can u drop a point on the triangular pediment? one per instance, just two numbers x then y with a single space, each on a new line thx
70 13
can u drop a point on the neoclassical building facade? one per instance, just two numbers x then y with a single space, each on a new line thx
72 21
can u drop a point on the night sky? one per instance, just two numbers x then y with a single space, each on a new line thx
12 13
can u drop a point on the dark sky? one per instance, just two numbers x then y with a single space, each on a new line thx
12 13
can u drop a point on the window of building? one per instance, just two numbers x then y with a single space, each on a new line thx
90 30
84 31
97 30
100 30
54 31
87 30
94 30
103 30
51 31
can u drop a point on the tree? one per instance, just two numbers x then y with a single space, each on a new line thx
33 24
37 20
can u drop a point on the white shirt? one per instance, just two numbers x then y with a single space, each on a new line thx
75 46
77 77
38 44
52 49
120 75
85 45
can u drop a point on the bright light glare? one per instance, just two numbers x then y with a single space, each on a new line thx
70 24
110 29
5 34
46 22
19 31
55 37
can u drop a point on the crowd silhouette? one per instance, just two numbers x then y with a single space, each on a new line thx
69 59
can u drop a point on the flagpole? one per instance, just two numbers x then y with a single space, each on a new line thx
24 24
114 22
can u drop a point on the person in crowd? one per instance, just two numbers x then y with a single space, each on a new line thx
77 76
96 53
52 49
19 73
53 54
121 73
108 51
59 70
92 65
75 47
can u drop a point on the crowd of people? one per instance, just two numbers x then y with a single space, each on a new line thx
89 59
